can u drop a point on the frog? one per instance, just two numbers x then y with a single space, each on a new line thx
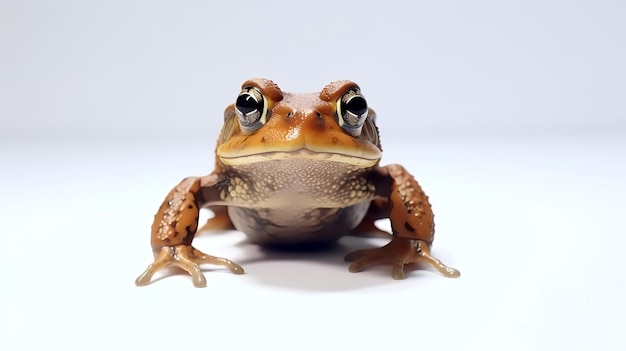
297 169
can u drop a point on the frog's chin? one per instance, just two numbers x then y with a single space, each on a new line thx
302 154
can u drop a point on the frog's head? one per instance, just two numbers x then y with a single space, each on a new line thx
266 124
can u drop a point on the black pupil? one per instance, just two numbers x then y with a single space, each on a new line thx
246 103
357 106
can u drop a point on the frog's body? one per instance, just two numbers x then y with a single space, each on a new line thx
285 212
292 169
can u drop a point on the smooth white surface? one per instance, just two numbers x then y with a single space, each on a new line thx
510 114
535 226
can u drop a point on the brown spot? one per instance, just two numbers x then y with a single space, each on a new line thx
409 227
263 139
334 140
189 236
174 231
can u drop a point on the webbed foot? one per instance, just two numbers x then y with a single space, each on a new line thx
397 253
189 259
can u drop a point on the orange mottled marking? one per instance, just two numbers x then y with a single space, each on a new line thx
177 216
411 214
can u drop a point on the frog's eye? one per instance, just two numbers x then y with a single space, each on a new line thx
251 109
352 111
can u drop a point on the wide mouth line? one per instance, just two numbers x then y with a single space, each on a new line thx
300 154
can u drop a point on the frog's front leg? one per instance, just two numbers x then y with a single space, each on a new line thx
174 227
412 224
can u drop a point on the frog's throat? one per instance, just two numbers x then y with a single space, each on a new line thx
302 154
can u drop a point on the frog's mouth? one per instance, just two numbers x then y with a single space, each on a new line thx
360 161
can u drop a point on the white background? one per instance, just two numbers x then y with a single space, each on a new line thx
510 114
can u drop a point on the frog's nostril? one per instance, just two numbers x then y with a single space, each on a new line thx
290 114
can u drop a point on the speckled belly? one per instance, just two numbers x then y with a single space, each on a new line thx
296 201
293 225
